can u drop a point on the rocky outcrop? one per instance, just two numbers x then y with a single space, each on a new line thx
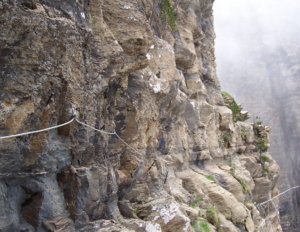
122 66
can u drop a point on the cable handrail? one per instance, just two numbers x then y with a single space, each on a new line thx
265 202
136 151
109 133
37 131
54 127
25 174
101 131
104 132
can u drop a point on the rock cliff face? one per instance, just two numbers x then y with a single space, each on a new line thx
124 66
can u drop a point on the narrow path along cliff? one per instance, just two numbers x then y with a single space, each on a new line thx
177 155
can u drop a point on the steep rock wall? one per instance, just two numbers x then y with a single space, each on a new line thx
121 67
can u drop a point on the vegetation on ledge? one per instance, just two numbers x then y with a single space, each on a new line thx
241 181
212 178
231 104
167 14
200 225
212 216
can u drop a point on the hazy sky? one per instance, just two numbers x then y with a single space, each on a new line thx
250 34
236 20
258 61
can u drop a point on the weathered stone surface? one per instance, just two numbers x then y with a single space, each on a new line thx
119 67
227 225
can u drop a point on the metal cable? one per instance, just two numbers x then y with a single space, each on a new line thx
277 196
110 133
50 128
24 174
37 131
101 131
136 151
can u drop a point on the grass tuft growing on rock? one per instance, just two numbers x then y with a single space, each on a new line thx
238 222
265 159
262 144
227 138
249 205
210 177
212 216
241 181
195 202
244 135
200 225
231 104
225 94
220 143
235 110
167 14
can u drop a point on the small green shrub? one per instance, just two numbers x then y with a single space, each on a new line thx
238 222
194 138
220 143
210 177
228 161
167 14
198 200
134 212
200 225
235 110
267 170
225 94
249 204
261 144
196 226
257 123
256 126
194 205
227 138
243 184
241 181
265 159
212 216
92 20
205 226
244 135
195 202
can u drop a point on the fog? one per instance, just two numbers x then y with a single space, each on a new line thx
258 62
237 22
247 28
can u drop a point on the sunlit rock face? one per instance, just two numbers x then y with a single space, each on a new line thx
122 66
262 72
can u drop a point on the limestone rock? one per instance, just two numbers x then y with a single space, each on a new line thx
122 67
